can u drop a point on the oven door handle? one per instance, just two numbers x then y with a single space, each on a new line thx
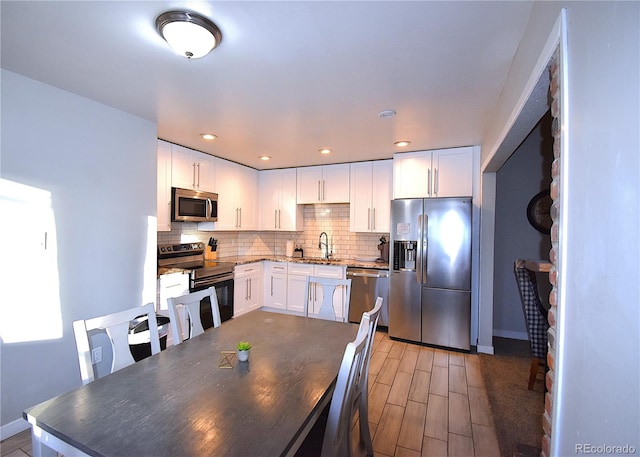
204 283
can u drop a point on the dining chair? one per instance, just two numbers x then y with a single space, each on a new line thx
116 326
329 287
535 317
337 435
191 303
368 325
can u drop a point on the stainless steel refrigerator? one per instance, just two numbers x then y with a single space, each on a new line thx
430 269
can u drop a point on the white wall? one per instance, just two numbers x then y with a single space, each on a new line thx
99 164
598 361
527 172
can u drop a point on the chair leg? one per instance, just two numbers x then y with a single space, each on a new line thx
533 371
365 434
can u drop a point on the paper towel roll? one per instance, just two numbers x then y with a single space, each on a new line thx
289 248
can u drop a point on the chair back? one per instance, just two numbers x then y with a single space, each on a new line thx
191 302
329 287
116 326
368 325
337 435
534 313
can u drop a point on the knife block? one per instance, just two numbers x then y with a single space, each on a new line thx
210 255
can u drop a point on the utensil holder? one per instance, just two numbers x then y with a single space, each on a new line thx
210 255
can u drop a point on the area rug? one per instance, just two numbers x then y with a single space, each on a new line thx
517 411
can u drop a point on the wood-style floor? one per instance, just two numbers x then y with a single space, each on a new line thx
422 402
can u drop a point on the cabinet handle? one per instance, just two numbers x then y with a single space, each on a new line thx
193 181
318 190
374 219
240 212
250 280
275 218
198 165
369 219
435 182
272 285
279 218
429 183
323 192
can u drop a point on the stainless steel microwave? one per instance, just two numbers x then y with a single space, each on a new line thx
193 205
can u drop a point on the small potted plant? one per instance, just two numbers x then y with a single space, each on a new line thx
243 350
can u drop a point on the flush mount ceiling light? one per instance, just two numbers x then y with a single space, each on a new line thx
188 34
264 157
402 144
386 114
324 151
208 136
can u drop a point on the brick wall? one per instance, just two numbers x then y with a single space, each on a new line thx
553 254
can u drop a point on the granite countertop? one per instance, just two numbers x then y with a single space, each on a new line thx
245 259
241 260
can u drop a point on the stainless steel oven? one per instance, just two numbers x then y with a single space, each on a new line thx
202 275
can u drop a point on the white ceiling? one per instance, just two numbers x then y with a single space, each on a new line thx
288 78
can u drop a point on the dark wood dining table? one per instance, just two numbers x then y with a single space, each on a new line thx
184 402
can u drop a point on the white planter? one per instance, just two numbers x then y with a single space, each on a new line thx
243 356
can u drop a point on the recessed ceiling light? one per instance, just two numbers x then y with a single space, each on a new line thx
386 114
264 157
188 34
324 151
402 144
208 136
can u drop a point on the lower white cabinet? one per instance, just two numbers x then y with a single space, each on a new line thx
296 283
275 285
247 288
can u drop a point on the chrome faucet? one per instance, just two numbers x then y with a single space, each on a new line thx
326 254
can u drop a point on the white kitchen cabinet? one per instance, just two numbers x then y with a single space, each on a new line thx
323 184
278 206
247 288
163 202
275 285
370 195
437 173
192 169
297 274
237 189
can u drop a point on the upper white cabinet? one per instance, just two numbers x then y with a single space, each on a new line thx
237 189
371 194
278 208
191 169
437 173
323 184
163 201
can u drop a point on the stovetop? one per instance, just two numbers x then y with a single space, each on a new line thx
190 256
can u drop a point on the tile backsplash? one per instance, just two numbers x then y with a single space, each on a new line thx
330 218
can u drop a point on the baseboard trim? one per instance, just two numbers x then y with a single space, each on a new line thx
13 428
485 349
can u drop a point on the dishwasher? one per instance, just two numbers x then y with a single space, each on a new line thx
367 284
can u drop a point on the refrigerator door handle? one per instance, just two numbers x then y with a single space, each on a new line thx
419 251
424 252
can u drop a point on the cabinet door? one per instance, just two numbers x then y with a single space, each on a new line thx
411 174
183 170
205 172
296 284
163 201
270 195
335 186
382 194
239 296
453 172
290 216
225 179
360 209
275 285
309 184
246 197
255 290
